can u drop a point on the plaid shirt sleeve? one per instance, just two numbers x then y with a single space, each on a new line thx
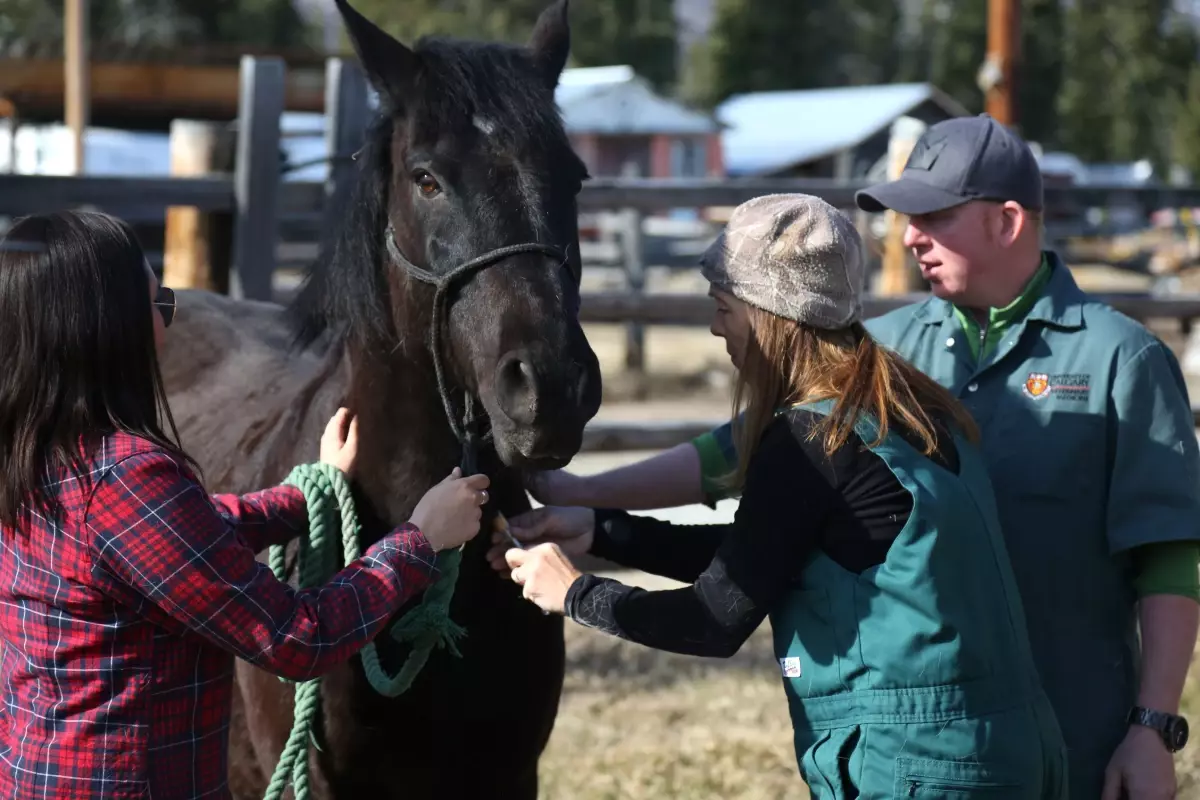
155 531
272 516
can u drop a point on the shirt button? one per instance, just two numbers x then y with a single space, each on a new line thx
972 387
950 342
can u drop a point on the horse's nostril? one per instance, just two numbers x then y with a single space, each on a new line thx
516 388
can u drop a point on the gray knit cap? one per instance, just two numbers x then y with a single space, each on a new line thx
793 255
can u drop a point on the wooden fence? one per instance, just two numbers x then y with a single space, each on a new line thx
262 216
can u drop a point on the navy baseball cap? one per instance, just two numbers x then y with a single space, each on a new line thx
956 161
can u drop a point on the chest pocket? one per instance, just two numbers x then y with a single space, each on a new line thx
1046 449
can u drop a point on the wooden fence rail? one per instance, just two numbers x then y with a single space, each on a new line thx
20 194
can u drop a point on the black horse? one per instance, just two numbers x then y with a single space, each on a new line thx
444 312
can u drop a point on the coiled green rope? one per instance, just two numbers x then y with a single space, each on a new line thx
330 508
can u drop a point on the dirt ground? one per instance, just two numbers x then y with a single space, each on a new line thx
636 723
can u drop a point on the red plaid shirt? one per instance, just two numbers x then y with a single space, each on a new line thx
120 623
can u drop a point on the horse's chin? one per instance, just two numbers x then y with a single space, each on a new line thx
521 451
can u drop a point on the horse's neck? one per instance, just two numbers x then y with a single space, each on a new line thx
405 442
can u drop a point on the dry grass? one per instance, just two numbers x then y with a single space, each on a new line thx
637 723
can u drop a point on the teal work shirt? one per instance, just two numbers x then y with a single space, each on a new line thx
1089 440
915 678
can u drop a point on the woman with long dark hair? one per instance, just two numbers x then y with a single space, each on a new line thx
866 533
126 590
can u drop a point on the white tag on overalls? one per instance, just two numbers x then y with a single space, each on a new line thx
790 667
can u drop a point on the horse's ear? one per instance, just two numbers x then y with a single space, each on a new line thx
389 64
550 42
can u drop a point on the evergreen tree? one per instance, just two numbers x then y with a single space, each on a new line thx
955 44
1085 102
1185 133
874 54
35 26
640 33
952 45
1136 84
1183 77
766 45
1039 72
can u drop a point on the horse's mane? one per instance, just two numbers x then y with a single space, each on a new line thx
345 293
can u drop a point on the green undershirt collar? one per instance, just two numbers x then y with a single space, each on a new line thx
1001 319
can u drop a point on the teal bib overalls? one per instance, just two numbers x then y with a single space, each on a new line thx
915 678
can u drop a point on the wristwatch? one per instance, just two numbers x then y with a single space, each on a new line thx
1172 728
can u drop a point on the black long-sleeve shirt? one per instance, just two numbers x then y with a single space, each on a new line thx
795 501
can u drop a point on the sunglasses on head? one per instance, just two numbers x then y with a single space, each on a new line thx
164 301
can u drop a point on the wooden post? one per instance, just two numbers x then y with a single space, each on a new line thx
196 245
77 84
256 178
998 78
8 110
346 116
897 277
635 278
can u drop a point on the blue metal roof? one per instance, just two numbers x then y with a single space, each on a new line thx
614 100
768 131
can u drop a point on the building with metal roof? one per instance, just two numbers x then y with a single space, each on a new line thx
620 126
822 133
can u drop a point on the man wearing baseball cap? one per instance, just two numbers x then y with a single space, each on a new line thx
1087 432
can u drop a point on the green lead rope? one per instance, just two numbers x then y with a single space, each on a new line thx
331 506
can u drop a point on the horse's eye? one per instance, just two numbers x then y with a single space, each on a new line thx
426 183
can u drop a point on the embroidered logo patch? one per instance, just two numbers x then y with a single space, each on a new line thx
1037 384
790 667
1066 386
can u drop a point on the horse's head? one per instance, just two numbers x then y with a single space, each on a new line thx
468 162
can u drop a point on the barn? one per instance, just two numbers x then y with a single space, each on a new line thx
838 133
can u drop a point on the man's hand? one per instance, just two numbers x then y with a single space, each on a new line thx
1142 766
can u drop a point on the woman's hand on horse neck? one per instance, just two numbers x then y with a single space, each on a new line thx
339 443
449 514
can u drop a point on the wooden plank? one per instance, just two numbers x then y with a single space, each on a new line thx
645 194
147 95
196 250
27 194
635 278
346 123
897 276
657 194
76 79
1003 54
696 309
256 179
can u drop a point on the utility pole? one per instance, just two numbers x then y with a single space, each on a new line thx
77 80
998 74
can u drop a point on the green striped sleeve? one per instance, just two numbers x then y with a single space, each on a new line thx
718 458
